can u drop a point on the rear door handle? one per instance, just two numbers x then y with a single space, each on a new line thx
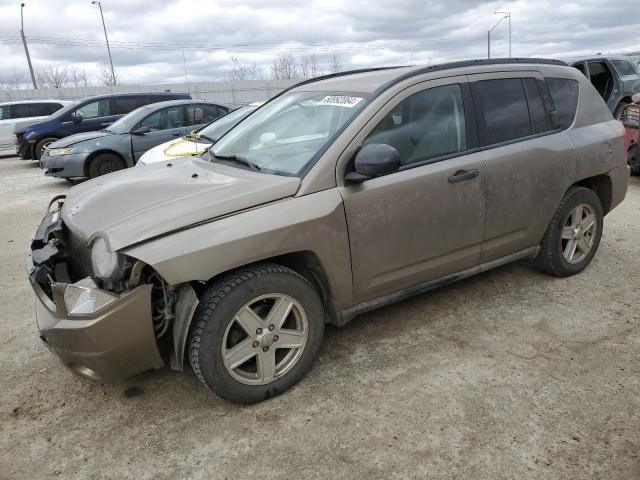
462 175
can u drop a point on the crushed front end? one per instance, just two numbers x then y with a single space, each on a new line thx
101 328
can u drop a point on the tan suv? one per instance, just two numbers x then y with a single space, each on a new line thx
340 195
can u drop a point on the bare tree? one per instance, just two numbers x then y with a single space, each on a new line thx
106 78
53 77
309 66
78 77
335 65
285 67
11 81
242 71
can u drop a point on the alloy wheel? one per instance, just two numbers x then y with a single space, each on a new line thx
579 233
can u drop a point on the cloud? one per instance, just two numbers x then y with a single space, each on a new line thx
149 36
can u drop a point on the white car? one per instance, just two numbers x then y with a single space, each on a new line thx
19 114
199 141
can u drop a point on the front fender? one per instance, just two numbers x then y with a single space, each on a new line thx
313 223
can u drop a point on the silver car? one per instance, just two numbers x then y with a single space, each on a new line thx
121 144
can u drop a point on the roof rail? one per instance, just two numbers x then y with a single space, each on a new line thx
468 63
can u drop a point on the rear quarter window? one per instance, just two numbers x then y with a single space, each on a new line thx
564 93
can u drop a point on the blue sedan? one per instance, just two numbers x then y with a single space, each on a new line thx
120 145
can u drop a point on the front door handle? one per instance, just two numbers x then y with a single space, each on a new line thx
462 175
176 134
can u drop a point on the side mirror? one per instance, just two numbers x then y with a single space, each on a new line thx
141 131
374 160
76 118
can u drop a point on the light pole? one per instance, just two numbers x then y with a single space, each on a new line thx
504 15
26 49
113 73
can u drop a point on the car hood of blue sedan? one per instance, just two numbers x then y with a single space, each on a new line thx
80 137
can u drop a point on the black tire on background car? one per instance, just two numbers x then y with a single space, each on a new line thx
105 163
256 332
40 146
633 156
573 236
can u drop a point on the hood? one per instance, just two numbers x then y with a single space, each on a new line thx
182 147
138 204
79 137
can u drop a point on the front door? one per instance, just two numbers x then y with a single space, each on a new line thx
164 125
426 220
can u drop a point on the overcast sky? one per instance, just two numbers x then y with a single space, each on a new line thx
148 36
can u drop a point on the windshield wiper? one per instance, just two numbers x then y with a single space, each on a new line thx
208 139
234 158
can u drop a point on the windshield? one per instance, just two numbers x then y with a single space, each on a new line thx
285 134
219 127
127 122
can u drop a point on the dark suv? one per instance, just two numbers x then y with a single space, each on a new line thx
90 114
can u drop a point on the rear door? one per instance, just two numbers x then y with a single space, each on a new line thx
426 220
164 124
527 161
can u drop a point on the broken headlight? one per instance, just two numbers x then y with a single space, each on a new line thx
105 264
83 298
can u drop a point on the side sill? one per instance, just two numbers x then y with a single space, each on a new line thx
350 313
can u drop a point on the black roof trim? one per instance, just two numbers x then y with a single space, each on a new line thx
468 63
342 74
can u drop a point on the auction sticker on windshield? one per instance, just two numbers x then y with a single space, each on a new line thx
340 101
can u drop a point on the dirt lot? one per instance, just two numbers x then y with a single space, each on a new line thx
511 374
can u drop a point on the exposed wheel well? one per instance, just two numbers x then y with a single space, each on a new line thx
601 185
90 158
307 264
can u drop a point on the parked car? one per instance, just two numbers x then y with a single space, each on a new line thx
630 118
615 78
340 195
121 144
198 141
88 115
18 114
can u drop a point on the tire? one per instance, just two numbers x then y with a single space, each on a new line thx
563 229
634 159
37 152
216 331
105 163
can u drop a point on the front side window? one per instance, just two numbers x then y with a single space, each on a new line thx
164 119
502 110
426 125
624 68
96 109
564 93
285 135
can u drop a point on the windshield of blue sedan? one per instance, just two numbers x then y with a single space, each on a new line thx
286 134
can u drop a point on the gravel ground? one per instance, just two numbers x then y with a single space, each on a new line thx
510 374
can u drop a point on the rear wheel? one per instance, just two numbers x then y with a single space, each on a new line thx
41 145
256 333
573 236
634 159
105 163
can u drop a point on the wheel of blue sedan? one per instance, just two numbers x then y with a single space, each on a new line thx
257 332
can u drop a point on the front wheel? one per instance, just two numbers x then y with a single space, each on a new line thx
573 236
105 163
256 333
41 145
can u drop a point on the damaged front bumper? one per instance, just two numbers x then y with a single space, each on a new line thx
96 333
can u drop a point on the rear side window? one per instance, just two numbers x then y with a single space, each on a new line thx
564 93
124 105
43 109
21 110
624 68
202 113
502 109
